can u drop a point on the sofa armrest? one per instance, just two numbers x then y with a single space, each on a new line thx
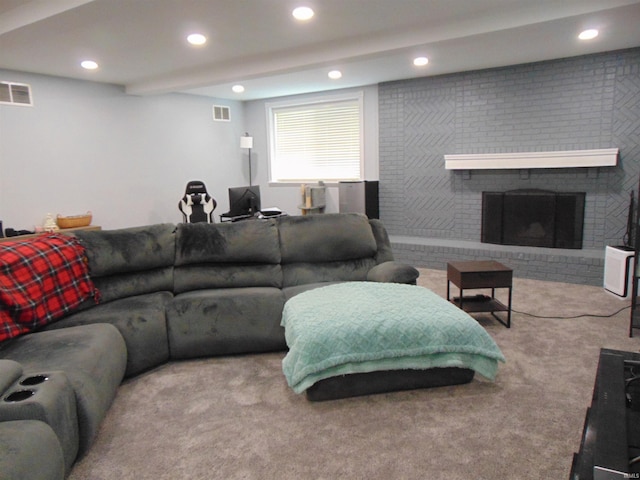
30 449
393 272
10 371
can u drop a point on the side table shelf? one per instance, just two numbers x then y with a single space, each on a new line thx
480 303
481 274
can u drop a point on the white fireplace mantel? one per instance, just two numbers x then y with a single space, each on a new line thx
604 157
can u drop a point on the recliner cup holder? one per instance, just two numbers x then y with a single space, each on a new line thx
49 397
19 395
34 380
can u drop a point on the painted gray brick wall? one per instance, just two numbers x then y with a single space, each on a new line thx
578 103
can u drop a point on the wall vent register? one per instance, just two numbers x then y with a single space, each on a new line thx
221 113
15 94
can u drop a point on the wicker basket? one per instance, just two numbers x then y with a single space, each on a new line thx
75 221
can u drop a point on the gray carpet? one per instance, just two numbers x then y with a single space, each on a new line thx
235 417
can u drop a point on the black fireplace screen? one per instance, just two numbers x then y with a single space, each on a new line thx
537 218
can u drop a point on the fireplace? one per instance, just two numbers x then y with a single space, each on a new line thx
537 218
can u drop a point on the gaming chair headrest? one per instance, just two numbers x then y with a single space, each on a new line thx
195 186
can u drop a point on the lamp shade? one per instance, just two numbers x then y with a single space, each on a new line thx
246 142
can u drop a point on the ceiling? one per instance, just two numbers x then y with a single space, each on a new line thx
141 44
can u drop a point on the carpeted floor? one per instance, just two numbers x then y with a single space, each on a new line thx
235 417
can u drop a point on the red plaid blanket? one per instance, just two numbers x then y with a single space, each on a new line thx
41 279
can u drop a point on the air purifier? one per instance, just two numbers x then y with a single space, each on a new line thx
618 271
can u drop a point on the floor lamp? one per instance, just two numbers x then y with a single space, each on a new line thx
246 142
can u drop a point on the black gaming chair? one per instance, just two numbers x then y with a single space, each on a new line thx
196 204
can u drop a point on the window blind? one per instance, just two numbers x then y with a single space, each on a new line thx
319 141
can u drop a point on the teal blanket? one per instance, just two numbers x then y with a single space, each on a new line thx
359 327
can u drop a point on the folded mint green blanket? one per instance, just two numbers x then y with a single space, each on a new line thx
359 327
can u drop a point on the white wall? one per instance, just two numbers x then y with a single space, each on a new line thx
88 146
287 196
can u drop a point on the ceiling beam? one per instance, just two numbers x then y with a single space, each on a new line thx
33 11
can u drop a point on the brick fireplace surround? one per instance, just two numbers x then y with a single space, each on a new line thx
433 214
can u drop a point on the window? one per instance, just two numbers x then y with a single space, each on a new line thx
314 141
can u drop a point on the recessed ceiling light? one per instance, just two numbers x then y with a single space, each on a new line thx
237 88
302 13
335 74
420 61
588 34
89 64
197 39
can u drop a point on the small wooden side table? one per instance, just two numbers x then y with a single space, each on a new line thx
481 274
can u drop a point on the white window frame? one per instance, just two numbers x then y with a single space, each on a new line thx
273 107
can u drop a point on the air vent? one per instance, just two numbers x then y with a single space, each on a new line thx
15 94
221 113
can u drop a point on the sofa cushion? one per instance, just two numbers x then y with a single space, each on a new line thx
124 285
30 449
205 276
93 357
326 238
141 321
307 272
290 292
130 261
129 249
253 241
225 321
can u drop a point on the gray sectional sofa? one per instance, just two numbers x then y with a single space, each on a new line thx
168 292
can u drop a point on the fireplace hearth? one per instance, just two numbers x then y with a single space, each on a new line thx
531 217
